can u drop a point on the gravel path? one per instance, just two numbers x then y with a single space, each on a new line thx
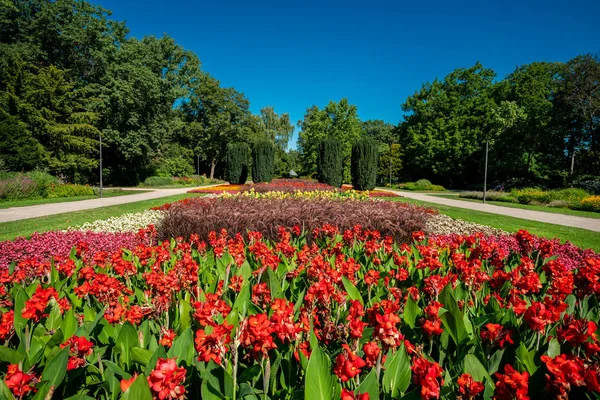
591 224
42 210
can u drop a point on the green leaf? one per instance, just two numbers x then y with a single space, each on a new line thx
319 381
411 310
352 291
69 324
274 285
474 368
553 348
127 339
139 389
185 319
526 358
10 356
5 393
183 347
453 320
370 385
111 366
141 356
396 377
56 368
217 383
158 353
20 322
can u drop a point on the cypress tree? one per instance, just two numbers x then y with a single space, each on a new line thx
263 161
364 164
330 163
237 163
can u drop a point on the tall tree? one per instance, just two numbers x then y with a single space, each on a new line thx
445 126
277 128
339 120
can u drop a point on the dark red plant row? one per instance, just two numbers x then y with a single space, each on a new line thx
238 215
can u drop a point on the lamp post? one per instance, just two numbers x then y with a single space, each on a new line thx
487 143
100 165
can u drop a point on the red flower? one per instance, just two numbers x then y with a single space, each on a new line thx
80 348
348 395
496 333
433 327
566 371
167 338
372 351
213 346
428 375
19 382
576 331
257 335
36 306
7 326
511 384
348 365
126 383
468 388
166 380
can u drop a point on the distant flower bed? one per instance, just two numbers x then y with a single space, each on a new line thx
130 222
293 187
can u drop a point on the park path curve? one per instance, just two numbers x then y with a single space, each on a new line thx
42 210
592 224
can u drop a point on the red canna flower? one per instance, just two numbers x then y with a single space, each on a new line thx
348 395
80 348
36 306
511 385
565 371
19 382
428 375
7 326
166 380
213 345
576 331
167 338
348 364
256 334
372 351
468 388
496 334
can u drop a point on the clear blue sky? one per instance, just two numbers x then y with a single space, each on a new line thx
292 55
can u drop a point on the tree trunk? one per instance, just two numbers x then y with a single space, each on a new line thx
572 162
213 164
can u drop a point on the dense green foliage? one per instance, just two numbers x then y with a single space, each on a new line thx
263 161
69 73
237 163
330 162
338 120
38 185
364 164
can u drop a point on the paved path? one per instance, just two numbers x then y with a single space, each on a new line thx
42 210
592 224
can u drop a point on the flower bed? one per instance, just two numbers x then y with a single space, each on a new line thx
239 214
129 222
292 187
43 246
354 315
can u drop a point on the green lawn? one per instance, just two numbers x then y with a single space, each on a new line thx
580 237
565 211
35 202
25 227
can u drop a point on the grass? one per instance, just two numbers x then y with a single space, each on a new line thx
25 227
35 202
554 210
580 237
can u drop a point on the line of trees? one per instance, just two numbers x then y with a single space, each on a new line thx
69 73
542 121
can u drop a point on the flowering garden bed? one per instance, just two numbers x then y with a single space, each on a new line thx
352 315
291 187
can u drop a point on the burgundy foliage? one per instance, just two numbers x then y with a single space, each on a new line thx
238 215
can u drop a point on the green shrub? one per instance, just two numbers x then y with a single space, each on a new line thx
423 183
175 166
537 195
490 196
44 180
364 164
415 186
69 190
330 162
263 161
571 195
153 181
591 203
237 163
